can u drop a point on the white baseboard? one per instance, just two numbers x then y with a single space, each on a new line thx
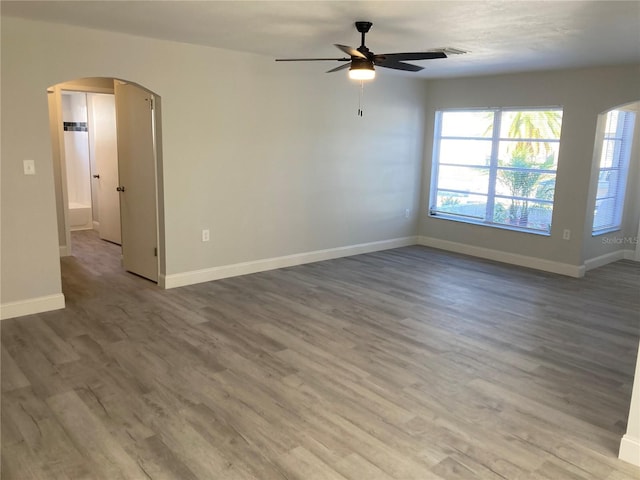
64 251
630 450
226 271
96 226
607 258
576 271
31 306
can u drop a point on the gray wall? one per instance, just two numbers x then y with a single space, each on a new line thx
270 157
583 94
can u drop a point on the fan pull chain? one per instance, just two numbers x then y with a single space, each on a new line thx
360 96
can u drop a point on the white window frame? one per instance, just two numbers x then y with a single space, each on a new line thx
493 167
621 157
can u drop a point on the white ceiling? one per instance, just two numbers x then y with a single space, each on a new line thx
501 36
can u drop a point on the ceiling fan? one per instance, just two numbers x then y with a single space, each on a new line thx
362 60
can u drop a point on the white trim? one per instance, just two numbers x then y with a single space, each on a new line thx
64 251
63 167
31 306
607 258
244 268
636 255
576 271
630 450
96 226
631 255
86 89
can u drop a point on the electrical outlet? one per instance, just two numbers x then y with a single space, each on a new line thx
29 167
407 212
205 235
566 234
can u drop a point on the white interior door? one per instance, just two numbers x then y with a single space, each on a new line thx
104 150
137 174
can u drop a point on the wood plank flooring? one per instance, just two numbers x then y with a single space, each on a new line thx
405 364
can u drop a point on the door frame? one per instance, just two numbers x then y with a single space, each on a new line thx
57 92
76 85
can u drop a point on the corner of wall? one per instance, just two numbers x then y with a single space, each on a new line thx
576 271
31 306
630 444
607 258
630 450
245 268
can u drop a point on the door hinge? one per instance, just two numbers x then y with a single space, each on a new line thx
155 251
151 103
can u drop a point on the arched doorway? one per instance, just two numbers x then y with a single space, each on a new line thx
107 167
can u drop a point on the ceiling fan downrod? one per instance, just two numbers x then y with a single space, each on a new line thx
363 28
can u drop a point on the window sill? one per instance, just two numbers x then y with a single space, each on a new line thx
604 232
481 223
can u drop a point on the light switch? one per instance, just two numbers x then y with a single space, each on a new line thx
29 167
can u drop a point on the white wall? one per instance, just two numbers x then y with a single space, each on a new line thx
583 94
630 444
76 148
271 157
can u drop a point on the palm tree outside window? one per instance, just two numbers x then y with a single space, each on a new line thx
496 167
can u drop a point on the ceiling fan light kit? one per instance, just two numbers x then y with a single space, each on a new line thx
362 69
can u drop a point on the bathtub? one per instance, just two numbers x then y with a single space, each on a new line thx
80 216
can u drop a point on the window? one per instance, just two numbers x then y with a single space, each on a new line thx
496 167
612 175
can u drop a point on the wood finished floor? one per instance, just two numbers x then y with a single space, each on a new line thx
405 364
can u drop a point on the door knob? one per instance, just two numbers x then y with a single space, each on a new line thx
120 189
95 176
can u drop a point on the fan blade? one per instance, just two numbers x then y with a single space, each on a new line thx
341 67
398 65
312 59
399 57
351 51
